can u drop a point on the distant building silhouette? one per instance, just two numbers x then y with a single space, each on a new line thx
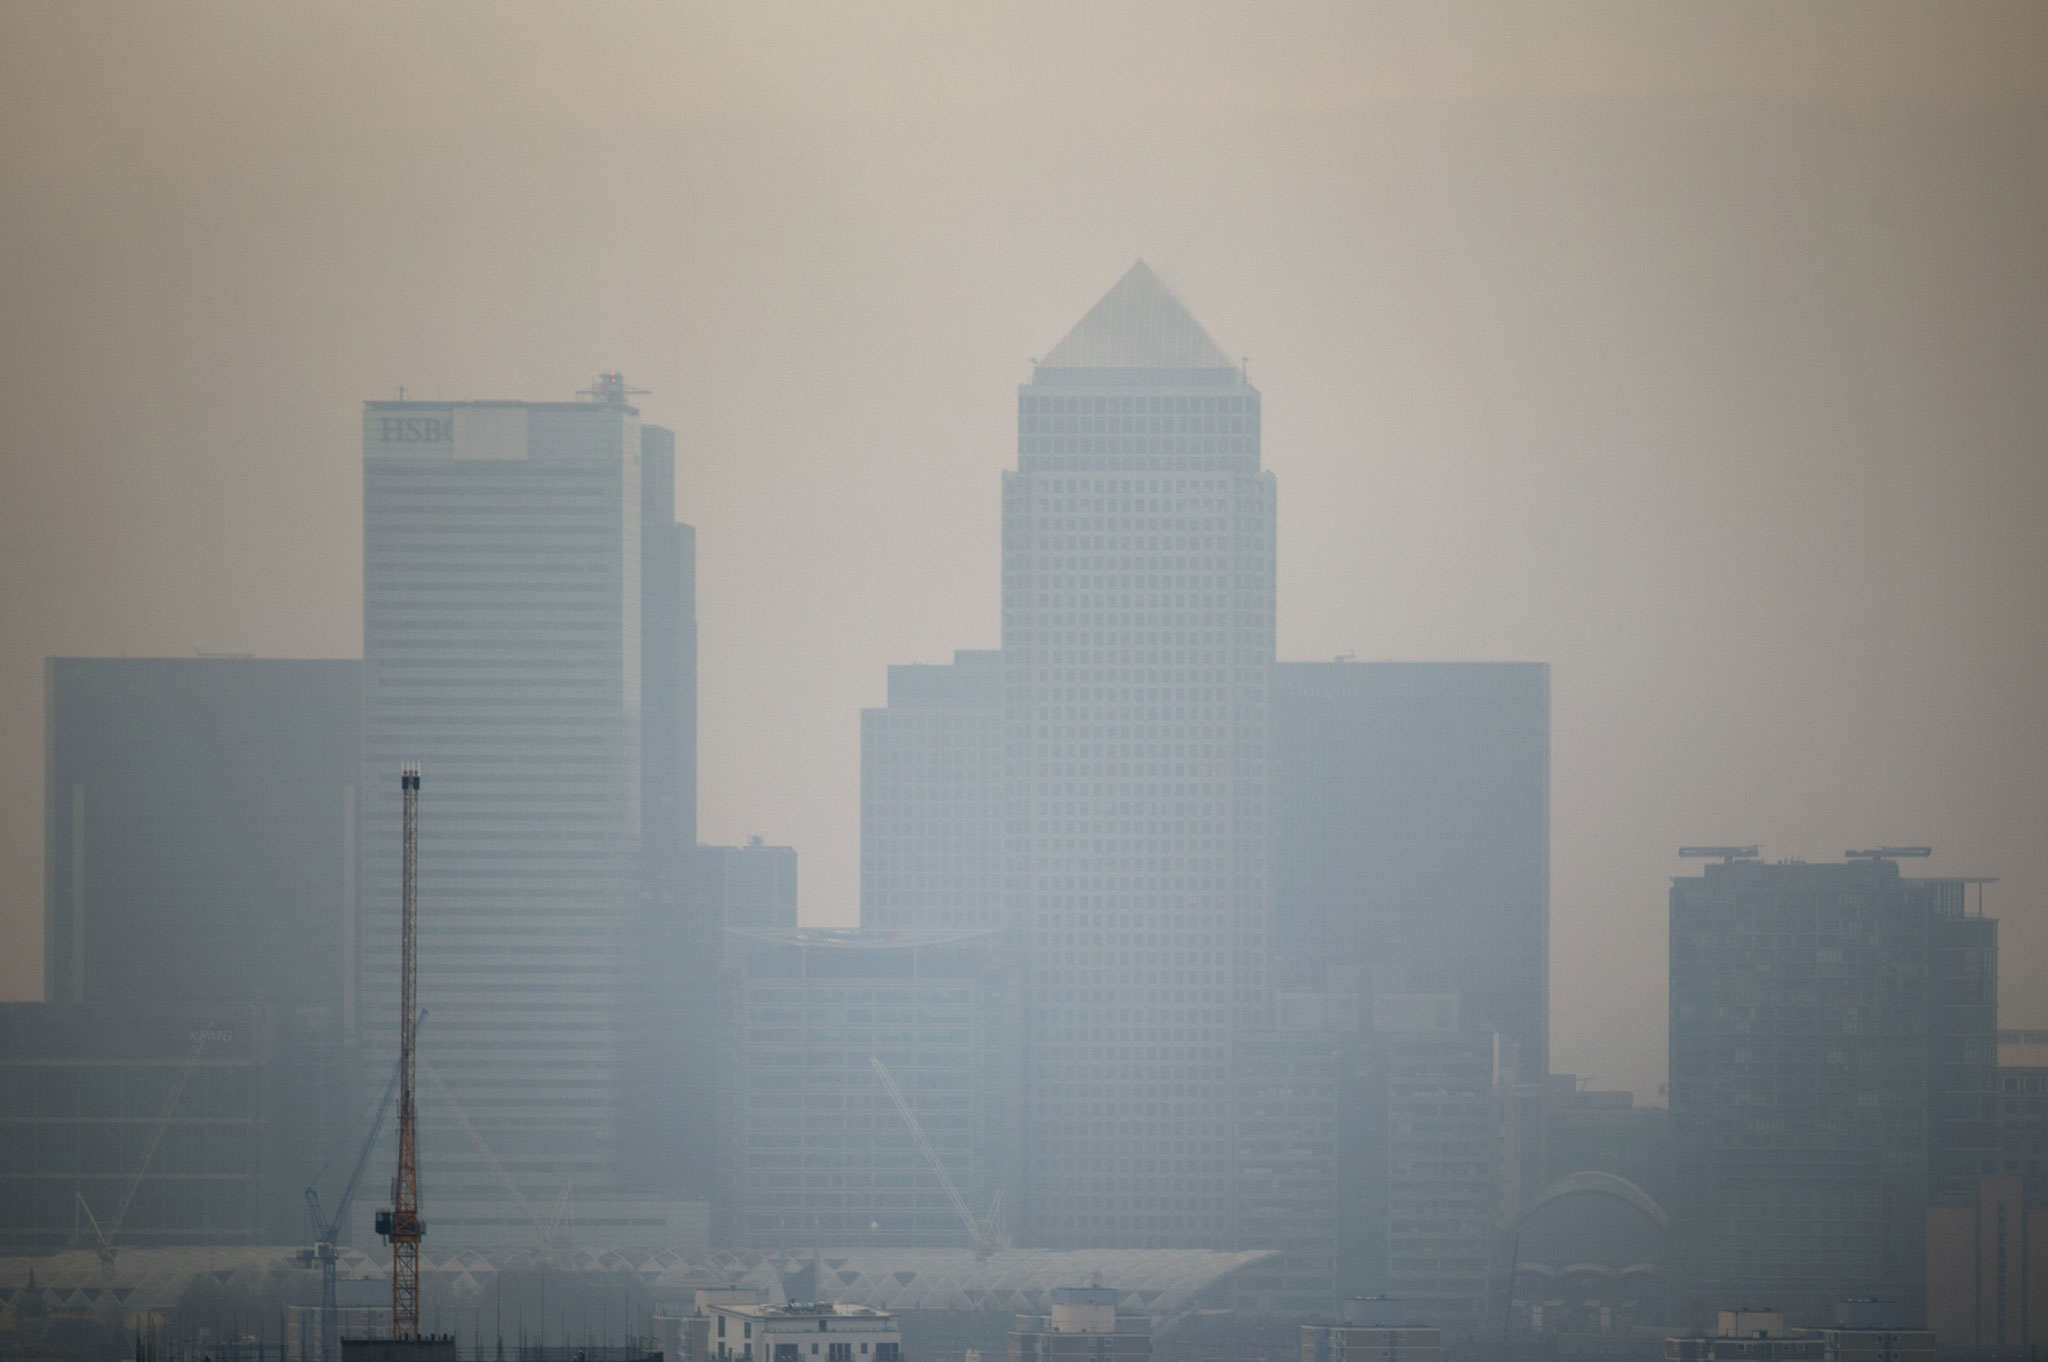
749 888
1412 836
931 799
817 1151
1138 581
1832 1063
200 831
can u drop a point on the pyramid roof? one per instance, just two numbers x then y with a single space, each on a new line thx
1138 324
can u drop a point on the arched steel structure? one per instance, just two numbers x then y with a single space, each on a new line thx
1595 1184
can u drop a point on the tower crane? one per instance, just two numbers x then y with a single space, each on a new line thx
103 1235
986 1231
401 1226
325 1252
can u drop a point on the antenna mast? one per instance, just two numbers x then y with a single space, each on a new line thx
401 1225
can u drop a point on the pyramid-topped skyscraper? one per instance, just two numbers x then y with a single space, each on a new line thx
1138 581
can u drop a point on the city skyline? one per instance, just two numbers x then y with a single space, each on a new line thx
1774 561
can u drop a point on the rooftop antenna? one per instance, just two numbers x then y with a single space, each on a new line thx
610 388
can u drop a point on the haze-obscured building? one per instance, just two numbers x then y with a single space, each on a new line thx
750 889
1138 589
200 825
1832 1070
1987 1270
1437 1184
1082 1326
1412 835
148 1124
1297 1096
508 553
1590 1130
2022 1119
1371 1329
668 1132
817 1150
931 798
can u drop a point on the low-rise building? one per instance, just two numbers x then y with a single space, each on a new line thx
1372 1329
819 1331
1083 1323
1746 1336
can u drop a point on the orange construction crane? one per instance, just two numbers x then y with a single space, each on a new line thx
401 1226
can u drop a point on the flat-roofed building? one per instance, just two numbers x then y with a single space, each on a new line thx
1082 1323
931 798
509 556
1372 1329
797 1332
1832 1066
1411 836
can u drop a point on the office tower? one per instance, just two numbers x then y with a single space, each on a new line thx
1412 836
1137 642
200 829
1296 1137
749 888
668 1136
1832 1063
1439 1162
502 651
819 1152
931 799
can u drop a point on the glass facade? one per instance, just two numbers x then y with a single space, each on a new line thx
1138 591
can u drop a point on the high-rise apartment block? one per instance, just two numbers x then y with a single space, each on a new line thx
1412 836
1138 556
931 799
508 553
1832 1071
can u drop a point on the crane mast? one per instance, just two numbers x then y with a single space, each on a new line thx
401 1225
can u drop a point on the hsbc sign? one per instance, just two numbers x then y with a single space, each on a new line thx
415 430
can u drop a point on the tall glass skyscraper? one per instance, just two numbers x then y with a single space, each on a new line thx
502 649
1138 560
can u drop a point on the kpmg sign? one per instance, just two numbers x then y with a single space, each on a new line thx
415 430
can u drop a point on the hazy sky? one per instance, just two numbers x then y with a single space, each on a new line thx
1701 351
